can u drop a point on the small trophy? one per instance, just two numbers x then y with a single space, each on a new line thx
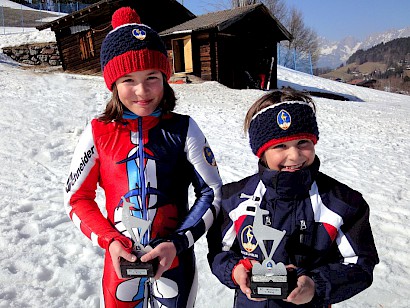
269 280
136 227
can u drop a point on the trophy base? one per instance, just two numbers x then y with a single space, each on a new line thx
273 287
138 268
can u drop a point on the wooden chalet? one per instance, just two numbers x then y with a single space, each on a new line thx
79 35
234 47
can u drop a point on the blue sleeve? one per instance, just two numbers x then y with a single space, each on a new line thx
343 277
207 185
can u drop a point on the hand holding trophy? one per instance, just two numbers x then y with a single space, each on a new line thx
136 227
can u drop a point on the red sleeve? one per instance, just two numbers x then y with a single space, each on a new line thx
80 193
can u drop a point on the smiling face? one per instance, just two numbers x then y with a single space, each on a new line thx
141 92
290 156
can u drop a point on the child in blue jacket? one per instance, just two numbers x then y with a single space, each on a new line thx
324 225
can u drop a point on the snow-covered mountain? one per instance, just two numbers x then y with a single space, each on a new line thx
334 53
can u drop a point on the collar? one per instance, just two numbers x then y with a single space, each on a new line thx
137 123
289 184
130 115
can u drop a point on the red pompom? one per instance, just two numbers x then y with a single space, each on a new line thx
124 15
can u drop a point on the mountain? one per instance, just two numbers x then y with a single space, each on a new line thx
334 53
392 53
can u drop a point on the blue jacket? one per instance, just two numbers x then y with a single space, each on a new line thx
328 235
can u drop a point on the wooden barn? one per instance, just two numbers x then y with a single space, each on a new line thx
79 35
235 47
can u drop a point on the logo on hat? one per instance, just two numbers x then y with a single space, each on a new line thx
139 34
284 119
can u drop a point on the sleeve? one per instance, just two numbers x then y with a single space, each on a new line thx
223 247
80 193
207 185
353 272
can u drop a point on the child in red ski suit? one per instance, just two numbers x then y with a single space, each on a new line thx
143 156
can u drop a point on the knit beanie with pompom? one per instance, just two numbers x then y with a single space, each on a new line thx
130 47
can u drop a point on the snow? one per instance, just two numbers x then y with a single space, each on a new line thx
328 50
46 261
9 39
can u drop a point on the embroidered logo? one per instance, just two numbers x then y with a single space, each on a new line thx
139 34
248 240
284 119
209 156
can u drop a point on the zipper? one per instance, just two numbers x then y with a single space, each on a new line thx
141 167
302 228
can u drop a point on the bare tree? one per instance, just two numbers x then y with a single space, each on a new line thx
212 6
241 3
305 40
277 8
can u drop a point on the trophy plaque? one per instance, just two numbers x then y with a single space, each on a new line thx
136 227
269 280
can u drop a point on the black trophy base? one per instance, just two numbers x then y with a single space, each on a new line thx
138 268
273 287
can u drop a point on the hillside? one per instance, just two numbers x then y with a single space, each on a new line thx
352 71
393 53
334 53
13 17
385 66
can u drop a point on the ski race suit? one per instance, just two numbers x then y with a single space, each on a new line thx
328 235
148 162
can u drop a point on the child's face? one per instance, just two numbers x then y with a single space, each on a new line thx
291 155
141 92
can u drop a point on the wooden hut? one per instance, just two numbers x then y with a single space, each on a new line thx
235 47
79 35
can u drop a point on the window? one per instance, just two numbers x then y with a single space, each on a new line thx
86 45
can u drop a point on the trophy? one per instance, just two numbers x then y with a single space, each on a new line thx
269 280
136 227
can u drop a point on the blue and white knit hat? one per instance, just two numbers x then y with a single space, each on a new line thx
130 47
280 123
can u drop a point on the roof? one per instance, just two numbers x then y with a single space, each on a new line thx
222 20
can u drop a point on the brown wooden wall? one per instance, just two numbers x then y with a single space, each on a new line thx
224 57
71 55
205 56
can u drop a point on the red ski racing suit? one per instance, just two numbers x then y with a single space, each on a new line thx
149 162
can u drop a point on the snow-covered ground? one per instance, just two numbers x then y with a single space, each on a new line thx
32 35
46 262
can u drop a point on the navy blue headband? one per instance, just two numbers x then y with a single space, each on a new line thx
280 123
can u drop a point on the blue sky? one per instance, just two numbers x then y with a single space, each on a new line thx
334 19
